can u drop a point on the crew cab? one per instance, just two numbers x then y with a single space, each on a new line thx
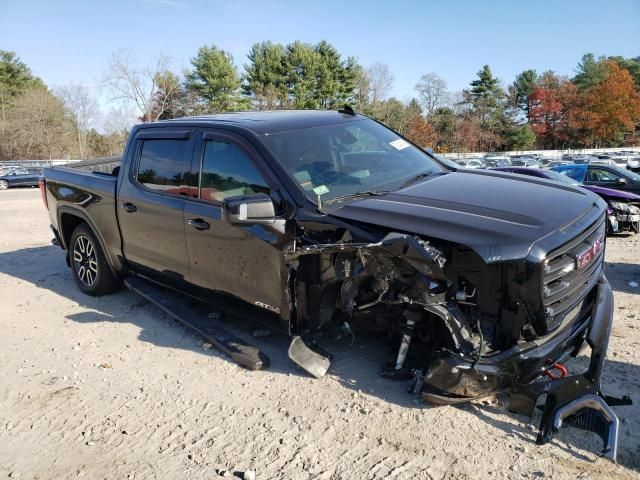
329 221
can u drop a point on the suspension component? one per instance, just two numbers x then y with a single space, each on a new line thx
408 332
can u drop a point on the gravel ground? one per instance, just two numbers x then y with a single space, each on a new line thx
112 388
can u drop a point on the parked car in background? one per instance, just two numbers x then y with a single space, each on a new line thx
544 161
578 158
602 161
623 214
606 176
558 163
525 162
472 163
620 160
633 164
496 161
19 177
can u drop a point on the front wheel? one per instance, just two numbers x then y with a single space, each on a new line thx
4 184
89 264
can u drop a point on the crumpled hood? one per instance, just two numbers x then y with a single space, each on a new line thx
500 216
613 194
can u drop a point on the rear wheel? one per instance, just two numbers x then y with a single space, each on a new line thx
89 264
4 184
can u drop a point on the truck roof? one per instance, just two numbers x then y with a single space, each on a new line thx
265 122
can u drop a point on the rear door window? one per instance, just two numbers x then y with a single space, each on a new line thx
164 166
227 171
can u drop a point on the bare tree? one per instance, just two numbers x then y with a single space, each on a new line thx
36 126
116 125
432 90
82 108
362 90
138 86
380 82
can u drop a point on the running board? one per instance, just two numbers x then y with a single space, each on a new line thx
173 304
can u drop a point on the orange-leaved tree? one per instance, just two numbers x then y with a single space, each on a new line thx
420 132
613 105
550 108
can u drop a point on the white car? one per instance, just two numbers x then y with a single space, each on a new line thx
633 164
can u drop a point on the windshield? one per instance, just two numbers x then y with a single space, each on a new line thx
576 174
349 158
6 170
559 177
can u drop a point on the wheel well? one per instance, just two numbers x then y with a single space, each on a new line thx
68 223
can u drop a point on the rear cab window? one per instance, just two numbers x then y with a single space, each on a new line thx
164 166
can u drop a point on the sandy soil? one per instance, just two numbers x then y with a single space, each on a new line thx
112 388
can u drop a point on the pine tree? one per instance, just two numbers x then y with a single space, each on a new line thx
520 90
216 79
590 72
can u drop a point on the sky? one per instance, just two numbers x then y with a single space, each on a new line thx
70 42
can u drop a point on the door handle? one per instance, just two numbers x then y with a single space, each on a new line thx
128 207
198 224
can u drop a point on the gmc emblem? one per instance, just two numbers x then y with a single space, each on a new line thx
585 257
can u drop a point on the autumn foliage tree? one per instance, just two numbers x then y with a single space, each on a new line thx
420 132
548 105
613 104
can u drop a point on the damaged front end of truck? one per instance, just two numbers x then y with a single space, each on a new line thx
464 328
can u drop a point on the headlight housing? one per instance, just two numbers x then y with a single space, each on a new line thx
623 207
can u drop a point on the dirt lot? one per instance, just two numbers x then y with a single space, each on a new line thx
111 388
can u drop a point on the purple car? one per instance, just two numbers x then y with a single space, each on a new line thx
624 207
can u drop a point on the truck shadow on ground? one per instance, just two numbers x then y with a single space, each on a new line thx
621 274
355 366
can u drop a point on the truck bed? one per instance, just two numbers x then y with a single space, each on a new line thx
90 196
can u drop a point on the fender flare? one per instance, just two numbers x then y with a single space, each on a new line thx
65 209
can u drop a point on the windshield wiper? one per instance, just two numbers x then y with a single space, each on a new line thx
415 178
348 196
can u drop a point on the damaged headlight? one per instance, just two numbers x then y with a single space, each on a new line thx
622 207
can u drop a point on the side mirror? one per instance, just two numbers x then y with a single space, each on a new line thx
622 181
250 209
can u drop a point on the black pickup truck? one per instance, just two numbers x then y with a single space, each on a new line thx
330 222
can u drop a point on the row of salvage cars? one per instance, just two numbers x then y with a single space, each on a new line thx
618 187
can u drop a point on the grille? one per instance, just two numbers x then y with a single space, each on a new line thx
565 283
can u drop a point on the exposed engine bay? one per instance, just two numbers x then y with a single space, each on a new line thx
405 287
623 217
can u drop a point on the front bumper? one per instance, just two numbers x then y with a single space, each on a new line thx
577 399
521 369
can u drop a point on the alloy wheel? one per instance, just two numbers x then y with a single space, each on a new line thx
85 261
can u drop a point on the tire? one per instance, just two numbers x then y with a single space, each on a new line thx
4 184
89 264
